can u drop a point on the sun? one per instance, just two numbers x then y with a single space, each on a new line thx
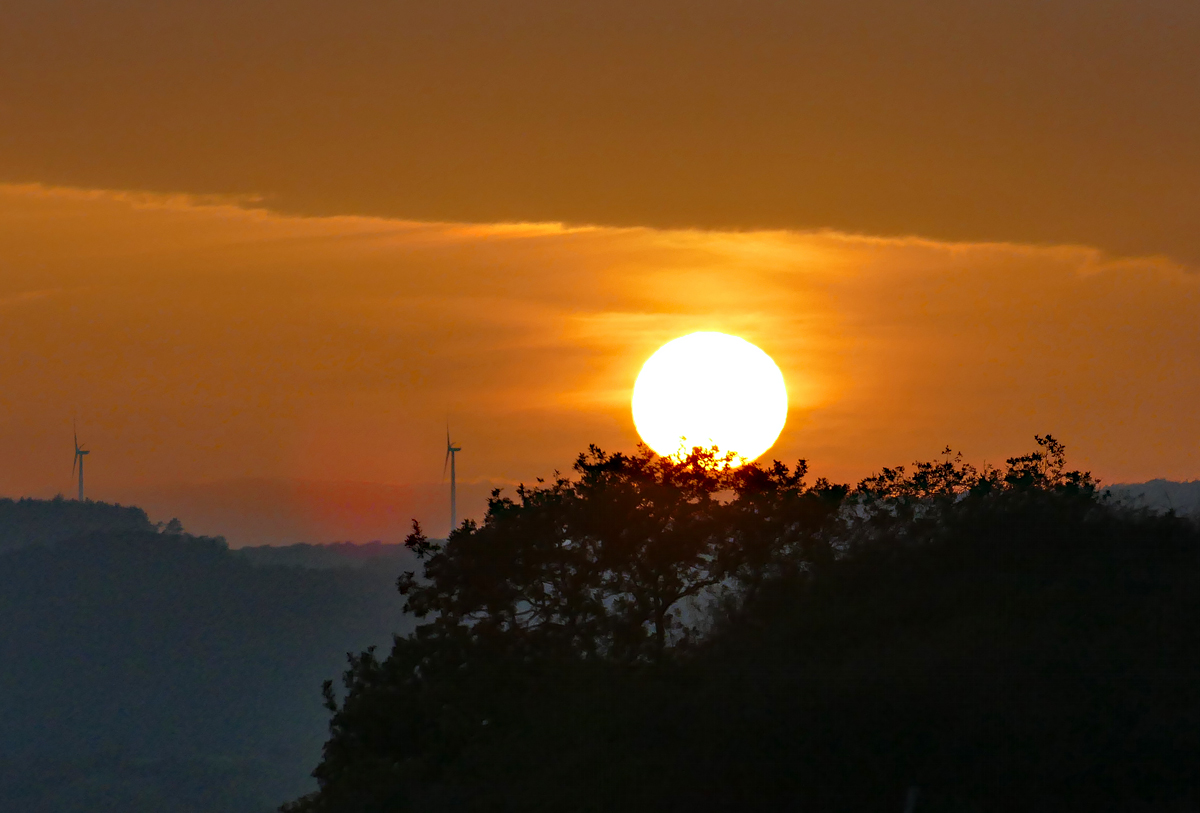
710 389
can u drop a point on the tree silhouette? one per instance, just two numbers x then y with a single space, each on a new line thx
687 635
600 566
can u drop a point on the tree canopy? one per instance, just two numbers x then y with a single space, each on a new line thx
685 634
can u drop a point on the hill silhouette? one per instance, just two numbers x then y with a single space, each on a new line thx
46 522
679 636
146 669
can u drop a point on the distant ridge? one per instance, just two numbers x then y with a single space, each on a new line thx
329 556
263 511
28 521
1161 495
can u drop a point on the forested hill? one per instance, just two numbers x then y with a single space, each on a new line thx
45 522
145 669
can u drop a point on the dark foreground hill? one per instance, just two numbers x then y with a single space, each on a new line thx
940 640
145 669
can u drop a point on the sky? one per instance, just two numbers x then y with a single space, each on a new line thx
263 252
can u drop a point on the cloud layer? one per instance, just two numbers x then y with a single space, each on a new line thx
1029 121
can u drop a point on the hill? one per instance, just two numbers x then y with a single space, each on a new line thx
46 522
147 669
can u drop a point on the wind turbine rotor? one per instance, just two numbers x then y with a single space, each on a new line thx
450 450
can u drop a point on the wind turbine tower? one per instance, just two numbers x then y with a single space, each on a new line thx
451 449
79 453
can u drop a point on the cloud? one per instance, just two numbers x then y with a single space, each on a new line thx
1028 121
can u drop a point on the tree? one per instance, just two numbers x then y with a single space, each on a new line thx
591 569
607 594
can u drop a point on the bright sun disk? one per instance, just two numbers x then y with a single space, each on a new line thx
710 389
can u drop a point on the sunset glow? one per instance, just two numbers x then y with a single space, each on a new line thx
706 405
220 357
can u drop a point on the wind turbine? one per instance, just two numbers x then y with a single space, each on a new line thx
79 453
450 451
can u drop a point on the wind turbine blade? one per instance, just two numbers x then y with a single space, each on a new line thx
446 465
74 462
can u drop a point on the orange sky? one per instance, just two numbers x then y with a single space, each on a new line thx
1048 121
204 343
950 223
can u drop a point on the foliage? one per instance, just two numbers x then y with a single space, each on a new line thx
599 566
688 635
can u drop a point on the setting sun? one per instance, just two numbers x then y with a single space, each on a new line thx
710 389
